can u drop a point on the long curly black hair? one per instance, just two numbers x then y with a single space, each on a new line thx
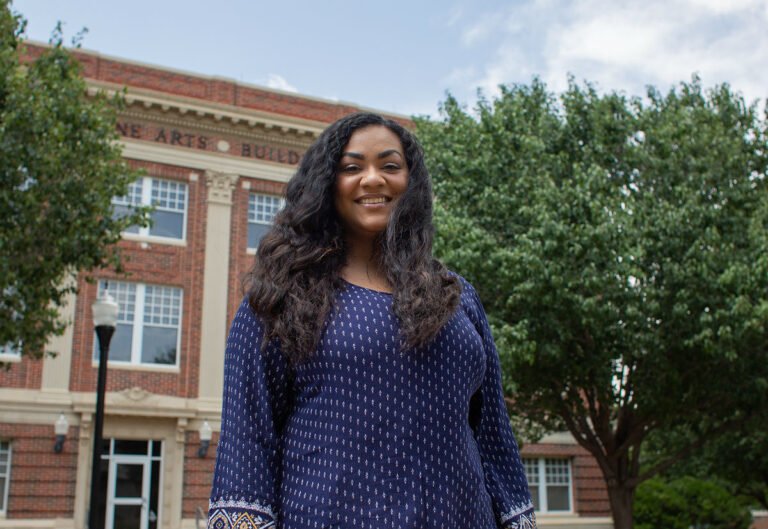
296 274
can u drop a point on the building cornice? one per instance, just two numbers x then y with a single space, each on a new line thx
224 115
41 407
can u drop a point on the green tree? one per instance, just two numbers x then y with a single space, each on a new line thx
738 459
620 246
60 166
687 503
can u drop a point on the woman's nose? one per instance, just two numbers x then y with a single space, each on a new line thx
371 176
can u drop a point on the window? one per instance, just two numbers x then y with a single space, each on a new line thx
261 212
169 199
10 352
148 324
5 474
550 484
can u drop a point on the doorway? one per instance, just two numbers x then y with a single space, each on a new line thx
131 470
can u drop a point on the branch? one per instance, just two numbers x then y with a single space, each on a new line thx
636 437
684 452
626 388
587 442
635 459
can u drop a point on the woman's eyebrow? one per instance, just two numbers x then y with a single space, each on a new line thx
384 154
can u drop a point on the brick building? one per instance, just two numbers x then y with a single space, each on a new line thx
216 155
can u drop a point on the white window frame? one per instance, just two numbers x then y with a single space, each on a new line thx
4 493
541 465
138 329
146 200
281 204
10 353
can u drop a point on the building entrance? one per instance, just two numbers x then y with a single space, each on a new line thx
133 470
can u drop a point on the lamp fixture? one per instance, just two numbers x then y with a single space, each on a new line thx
60 428
205 439
105 311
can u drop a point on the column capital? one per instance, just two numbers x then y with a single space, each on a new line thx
181 429
220 186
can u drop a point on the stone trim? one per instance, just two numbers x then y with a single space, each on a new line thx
140 150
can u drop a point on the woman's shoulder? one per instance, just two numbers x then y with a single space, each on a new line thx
246 318
466 287
469 301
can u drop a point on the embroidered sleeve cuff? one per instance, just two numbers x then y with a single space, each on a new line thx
239 514
519 518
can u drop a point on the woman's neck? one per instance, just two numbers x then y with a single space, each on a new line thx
362 268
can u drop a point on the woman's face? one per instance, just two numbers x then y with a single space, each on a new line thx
372 175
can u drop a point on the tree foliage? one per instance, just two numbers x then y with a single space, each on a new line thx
60 167
738 459
621 248
687 503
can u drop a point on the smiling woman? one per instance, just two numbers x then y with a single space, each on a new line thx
372 175
362 384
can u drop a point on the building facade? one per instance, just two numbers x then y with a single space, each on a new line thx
215 155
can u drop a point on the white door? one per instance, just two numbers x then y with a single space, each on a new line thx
128 492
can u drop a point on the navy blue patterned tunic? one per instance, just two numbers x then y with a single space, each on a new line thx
366 435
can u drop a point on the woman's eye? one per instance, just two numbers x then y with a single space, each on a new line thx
350 168
392 167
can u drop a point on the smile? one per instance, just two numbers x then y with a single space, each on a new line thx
372 200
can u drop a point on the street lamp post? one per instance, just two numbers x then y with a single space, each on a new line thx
105 320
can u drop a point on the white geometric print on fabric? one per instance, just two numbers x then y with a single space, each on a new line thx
526 521
516 510
223 519
230 503
231 513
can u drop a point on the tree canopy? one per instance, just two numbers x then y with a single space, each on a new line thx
620 246
688 502
60 166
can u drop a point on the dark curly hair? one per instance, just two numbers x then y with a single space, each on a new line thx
293 282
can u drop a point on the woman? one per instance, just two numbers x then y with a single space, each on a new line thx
362 385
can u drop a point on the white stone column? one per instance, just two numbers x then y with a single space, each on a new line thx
56 369
174 487
213 327
83 475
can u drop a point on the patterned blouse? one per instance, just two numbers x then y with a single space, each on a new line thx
366 435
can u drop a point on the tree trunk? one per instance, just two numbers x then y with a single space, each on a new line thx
621 498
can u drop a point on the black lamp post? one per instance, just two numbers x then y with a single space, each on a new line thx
105 319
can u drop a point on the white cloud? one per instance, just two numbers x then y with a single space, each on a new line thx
726 6
480 29
278 82
625 45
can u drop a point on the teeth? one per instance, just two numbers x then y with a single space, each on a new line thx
377 200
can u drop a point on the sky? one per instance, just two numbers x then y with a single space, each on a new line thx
404 56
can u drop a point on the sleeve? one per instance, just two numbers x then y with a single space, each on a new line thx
255 404
504 473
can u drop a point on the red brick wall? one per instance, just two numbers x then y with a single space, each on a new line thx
213 90
590 496
27 374
162 264
42 482
198 475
